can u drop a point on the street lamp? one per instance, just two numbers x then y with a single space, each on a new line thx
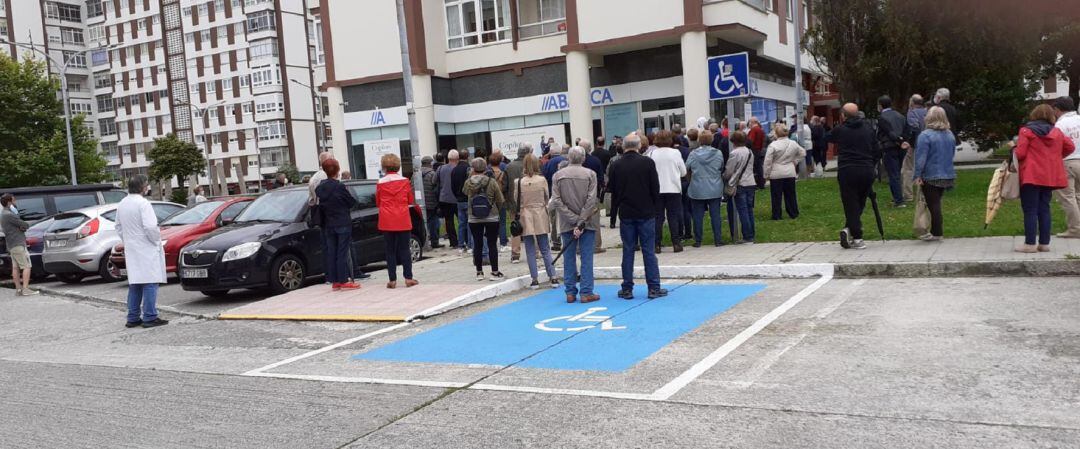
206 141
63 91
320 138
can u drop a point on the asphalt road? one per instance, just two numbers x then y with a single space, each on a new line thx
920 363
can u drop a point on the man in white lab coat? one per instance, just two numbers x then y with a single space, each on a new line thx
138 229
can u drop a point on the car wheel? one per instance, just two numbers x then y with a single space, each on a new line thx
108 270
416 248
287 273
69 278
215 293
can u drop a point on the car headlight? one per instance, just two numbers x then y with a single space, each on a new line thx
241 251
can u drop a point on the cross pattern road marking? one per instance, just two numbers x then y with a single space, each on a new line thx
587 317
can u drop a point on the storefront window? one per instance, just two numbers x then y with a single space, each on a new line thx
541 17
474 22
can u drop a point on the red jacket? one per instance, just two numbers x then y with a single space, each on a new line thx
756 137
393 196
1041 158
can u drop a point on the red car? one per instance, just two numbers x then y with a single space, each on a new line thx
189 224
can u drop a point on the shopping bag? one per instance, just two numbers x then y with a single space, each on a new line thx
921 226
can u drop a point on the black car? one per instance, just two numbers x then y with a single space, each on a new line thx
37 203
272 244
35 244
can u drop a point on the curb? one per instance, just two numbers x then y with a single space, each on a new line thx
1012 268
78 297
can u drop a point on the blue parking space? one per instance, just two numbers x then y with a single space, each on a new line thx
543 331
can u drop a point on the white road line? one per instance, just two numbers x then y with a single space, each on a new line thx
328 348
362 380
564 392
684 379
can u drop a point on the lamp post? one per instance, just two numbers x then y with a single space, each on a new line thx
206 142
63 92
320 130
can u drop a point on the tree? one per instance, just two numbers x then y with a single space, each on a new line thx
33 144
290 172
171 156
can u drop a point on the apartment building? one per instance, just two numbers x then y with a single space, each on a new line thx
491 73
228 75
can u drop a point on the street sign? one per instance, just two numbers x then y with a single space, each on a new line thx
729 76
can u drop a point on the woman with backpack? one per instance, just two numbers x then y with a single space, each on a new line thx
532 215
485 198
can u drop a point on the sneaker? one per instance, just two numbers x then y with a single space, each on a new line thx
28 292
677 247
480 276
1040 248
858 244
131 324
571 298
926 237
497 276
697 245
391 285
657 293
555 283
899 205
515 258
585 299
157 322
336 286
1028 249
350 286
845 238
535 285
504 248
626 294
411 283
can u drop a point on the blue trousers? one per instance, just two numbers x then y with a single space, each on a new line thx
433 226
1035 200
142 299
502 228
744 204
697 212
894 159
337 247
643 232
587 243
464 236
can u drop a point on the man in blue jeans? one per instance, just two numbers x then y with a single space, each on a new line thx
574 198
137 226
458 177
635 193
891 132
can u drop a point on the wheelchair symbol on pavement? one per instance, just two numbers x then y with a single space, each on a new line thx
726 76
584 317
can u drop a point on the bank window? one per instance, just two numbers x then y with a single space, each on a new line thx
541 17
474 22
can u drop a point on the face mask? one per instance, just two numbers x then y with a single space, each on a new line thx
14 209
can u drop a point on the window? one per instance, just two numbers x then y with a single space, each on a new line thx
320 53
3 25
136 100
265 76
264 48
226 84
205 36
471 22
109 150
189 38
244 81
256 2
246 108
93 8
107 126
270 157
541 17
122 127
63 12
97 34
75 87
75 59
203 10
80 108
233 210
212 113
72 36
272 130
211 88
187 11
269 103
102 80
260 21
136 125
99 57
73 201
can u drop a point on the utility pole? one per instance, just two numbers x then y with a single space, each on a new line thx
206 142
406 76
798 73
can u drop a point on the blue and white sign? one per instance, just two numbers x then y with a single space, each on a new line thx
729 76
543 331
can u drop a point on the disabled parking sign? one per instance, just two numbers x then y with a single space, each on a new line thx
729 76
543 331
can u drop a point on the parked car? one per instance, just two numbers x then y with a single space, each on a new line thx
272 243
37 203
78 243
181 228
35 243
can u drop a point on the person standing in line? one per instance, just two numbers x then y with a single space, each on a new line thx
892 135
635 193
336 202
706 190
671 170
514 171
137 226
495 161
780 162
739 174
755 138
431 199
593 163
857 158
602 153
484 200
916 123
1041 151
805 138
393 195
318 177
934 171
458 175
820 147
196 196
279 181
941 98
535 222
448 199
555 158
574 199
682 144
15 240
1069 123
692 135
613 212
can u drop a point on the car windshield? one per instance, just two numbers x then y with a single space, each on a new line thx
67 222
194 214
280 205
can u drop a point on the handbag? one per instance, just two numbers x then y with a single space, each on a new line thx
733 184
515 225
1010 187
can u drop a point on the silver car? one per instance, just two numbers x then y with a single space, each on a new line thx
78 243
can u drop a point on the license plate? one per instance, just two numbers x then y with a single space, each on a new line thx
193 273
57 243
123 272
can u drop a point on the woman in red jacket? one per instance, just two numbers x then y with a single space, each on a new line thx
1041 151
393 196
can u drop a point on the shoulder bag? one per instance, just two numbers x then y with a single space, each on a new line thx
733 184
515 225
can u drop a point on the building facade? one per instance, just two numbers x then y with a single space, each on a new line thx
489 73
232 76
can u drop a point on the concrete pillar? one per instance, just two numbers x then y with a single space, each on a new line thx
424 106
695 75
337 126
578 87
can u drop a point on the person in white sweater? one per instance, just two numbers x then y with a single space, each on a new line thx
781 168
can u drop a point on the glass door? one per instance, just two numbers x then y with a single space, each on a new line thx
654 121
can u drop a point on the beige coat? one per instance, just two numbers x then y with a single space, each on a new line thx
534 199
781 159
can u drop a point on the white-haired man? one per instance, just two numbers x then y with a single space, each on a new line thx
941 98
447 199
573 198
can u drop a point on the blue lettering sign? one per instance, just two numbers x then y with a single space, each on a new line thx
377 118
602 96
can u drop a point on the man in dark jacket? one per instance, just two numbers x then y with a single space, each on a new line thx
602 153
635 193
431 199
892 136
820 145
857 156
458 176
956 124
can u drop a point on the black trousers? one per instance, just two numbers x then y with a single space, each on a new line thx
933 196
481 233
759 169
397 253
855 185
783 191
448 211
672 203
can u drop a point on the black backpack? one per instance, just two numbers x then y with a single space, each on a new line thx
480 204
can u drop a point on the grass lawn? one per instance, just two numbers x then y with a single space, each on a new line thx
821 216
